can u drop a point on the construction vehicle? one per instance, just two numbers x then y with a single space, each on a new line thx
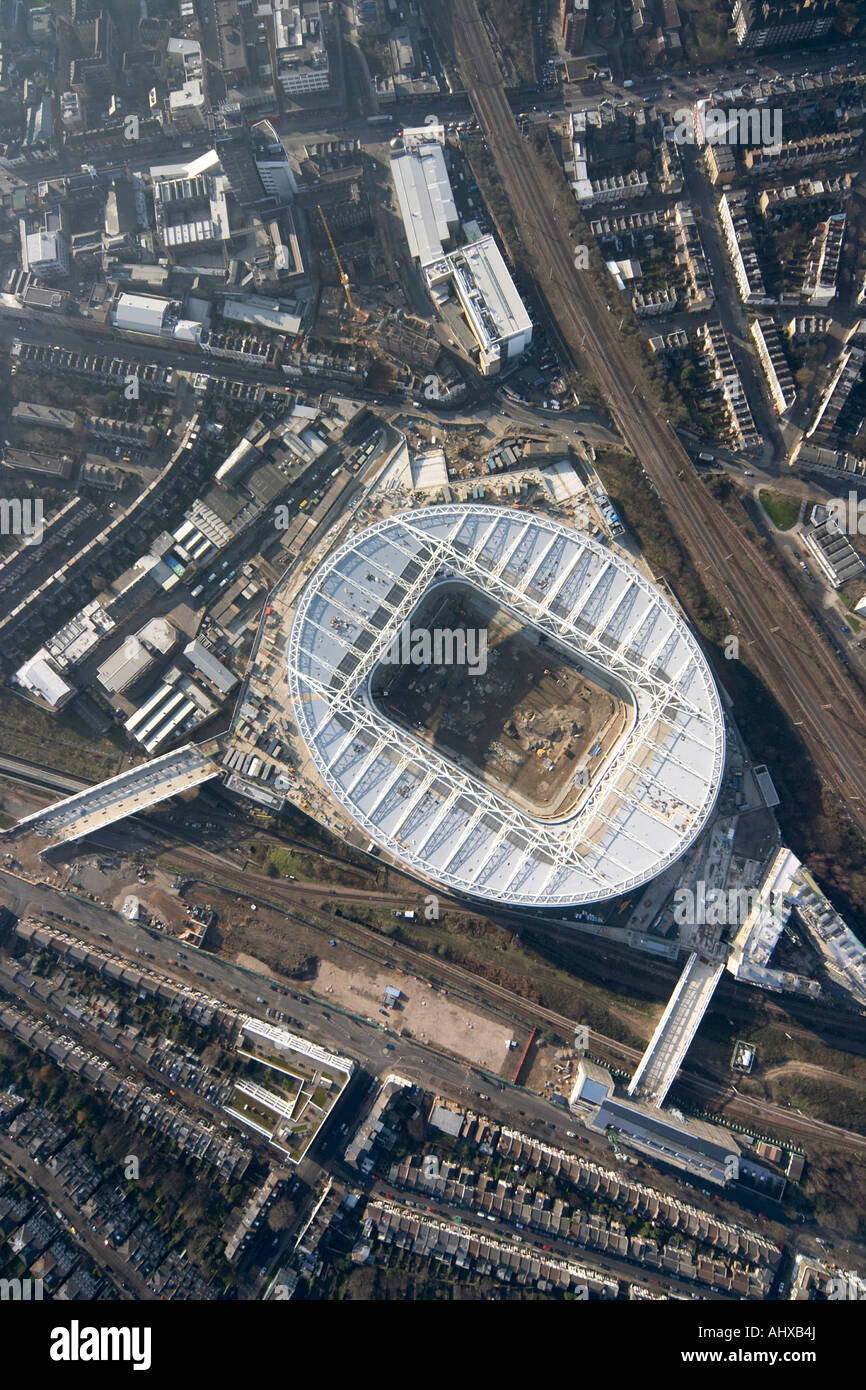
613 1140
344 279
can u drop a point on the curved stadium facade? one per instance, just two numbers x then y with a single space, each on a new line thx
581 761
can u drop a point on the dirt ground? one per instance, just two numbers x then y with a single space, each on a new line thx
527 725
550 1070
423 1012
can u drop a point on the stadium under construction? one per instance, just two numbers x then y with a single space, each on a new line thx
574 763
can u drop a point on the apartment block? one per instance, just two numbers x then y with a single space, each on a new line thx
822 269
767 23
741 248
814 149
654 303
692 258
777 373
720 162
725 372
777 199
573 15
839 388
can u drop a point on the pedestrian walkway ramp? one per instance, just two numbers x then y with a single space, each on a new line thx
677 1027
135 790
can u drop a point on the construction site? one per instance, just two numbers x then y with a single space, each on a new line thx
533 723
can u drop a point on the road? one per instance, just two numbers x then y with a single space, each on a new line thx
336 1028
41 1180
783 641
541 1242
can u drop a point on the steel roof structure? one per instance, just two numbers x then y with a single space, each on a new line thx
645 807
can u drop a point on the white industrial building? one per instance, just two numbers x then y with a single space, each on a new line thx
177 705
836 557
44 248
488 296
210 667
190 210
269 314
136 654
425 199
141 313
38 677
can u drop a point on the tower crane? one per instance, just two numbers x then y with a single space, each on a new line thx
344 279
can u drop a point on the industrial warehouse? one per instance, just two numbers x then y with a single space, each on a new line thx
476 273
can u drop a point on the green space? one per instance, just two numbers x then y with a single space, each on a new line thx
280 862
823 1100
783 508
285 1086
60 742
510 24
706 34
250 1109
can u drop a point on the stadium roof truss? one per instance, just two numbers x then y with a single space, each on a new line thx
659 784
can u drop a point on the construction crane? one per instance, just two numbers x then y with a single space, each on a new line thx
344 279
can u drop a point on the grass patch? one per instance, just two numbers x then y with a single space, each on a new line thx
783 508
820 1099
287 863
60 742
278 862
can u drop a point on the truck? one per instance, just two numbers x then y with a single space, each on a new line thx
379 120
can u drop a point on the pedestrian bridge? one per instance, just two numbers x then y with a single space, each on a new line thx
135 790
677 1026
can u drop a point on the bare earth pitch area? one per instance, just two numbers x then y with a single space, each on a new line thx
536 725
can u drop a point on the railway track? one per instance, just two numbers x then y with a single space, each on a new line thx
479 991
785 644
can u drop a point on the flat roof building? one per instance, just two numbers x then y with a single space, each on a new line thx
488 296
777 373
425 199
38 677
141 313
261 313
44 248
210 667
837 559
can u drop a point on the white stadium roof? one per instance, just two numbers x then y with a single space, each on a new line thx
660 783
